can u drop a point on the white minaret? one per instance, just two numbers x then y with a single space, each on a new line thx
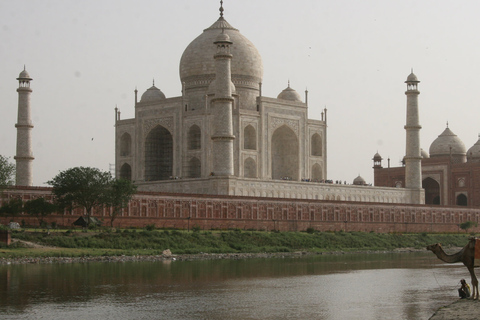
413 158
24 157
222 109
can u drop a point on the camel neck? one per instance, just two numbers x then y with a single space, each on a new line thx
449 258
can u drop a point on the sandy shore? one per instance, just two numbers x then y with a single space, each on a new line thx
462 309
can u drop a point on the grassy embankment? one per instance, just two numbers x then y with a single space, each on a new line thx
143 242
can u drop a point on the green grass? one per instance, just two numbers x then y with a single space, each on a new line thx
143 242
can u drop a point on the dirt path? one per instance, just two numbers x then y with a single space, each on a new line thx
29 244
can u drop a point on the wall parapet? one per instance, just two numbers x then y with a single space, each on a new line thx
170 210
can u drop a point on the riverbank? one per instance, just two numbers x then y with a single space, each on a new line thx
167 256
464 309
151 245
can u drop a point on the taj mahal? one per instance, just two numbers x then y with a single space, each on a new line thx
222 136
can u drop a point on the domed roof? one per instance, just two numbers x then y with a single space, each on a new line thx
473 154
289 94
412 78
377 157
447 143
24 75
359 181
197 59
222 37
152 94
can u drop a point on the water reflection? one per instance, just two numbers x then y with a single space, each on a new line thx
375 286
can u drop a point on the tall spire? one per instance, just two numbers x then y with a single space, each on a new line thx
413 158
221 9
24 156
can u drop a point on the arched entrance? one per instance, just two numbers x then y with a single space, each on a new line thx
432 191
158 154
125 145
126 172
285 157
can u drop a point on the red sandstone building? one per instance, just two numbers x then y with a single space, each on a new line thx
450 173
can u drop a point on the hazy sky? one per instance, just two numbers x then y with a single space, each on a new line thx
86 57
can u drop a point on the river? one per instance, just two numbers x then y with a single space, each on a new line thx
349 286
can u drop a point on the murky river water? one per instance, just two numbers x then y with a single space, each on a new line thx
353 286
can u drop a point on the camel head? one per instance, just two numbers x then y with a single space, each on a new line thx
434 247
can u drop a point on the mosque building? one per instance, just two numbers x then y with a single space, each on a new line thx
222 136
450 172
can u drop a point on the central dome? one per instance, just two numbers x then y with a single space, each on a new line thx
197 63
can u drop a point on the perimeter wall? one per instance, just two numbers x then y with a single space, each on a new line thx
228 212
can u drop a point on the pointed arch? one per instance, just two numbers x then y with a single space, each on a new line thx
250 168
125 145
126 172
317 172
432 191
194 168
316 145
194 137
158 154
285 154
249 138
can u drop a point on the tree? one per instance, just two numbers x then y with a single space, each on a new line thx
467 225
82 187
121 191
39 208
12 208
7 172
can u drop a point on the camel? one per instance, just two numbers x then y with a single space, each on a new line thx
466 255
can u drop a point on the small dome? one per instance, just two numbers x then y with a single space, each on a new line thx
412 78
24 75
222 37
289 94
152 94
359 181
424 154
473 154
377 157
448 143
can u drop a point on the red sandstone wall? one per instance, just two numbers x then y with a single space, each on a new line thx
223 212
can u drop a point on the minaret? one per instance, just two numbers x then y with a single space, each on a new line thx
24 157
413 158
222 109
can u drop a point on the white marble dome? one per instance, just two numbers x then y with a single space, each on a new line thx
152 94
412 78
289 94
359 181
24 75
197 61
448 143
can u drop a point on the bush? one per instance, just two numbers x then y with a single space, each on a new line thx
310 230
196 228
150 227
